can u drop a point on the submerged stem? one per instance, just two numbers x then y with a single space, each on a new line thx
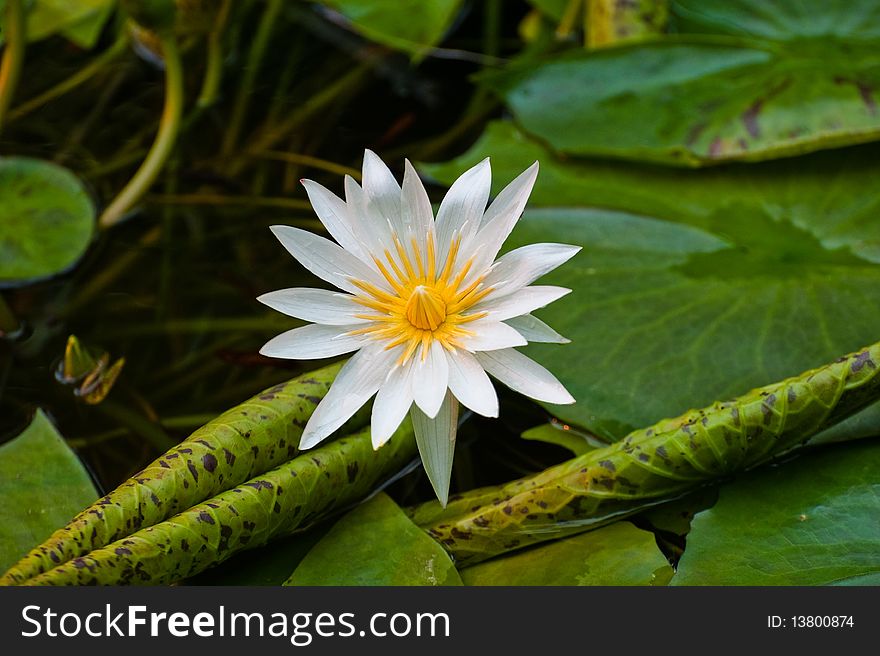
13 55
81 76
214 65
165 139
255 57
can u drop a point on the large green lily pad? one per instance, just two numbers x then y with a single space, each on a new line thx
808 522
376 544
46 220
619 554
696 285
42 486
781 81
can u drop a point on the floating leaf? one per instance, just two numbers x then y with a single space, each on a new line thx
42 485
653 464
243 442
810 522
411 25
696 285
563 435
619 554
80 22
790 82
611 22
46 220
273 566
276 503
376 544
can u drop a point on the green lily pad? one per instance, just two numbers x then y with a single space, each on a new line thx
619 554
811 521
696 285
413 26
788 82
42 486
565 436
376 544
273 566
46 220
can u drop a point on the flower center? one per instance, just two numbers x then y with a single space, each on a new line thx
426 308
426 302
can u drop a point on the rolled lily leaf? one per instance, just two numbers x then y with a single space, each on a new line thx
243 442
268 506
653 464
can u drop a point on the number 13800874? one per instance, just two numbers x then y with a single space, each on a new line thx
810 622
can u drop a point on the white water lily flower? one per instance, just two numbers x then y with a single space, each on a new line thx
424 303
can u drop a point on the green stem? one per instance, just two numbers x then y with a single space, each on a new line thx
492 28
265 139
101 280
165 139
245 90
138 424
224 200
214 66
69 84
13 56
8 323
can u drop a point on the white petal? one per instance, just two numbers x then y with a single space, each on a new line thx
375 231
522 266
524 375
502 215
317 305
491 335
336 216
430 379
416 209
462 208
470 384
312 342
392 402
356 382
436 441
325 259
535 330
521 302
381 189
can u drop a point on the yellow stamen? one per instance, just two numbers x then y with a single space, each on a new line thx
426 308
391 279
424 305
450 261
404 258
432 256
418 257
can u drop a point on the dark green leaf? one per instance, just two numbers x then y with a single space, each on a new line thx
42 485
619 554
80 22
274 504
564 436
46 219
696 285
273 565
376 544
411 25
779 19
790 81
653 464
243 442
809 522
